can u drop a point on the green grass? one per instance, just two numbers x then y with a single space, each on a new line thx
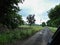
37 28
21 33
53 29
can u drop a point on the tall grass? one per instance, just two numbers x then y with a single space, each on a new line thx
21 33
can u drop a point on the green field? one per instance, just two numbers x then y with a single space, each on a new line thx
21 33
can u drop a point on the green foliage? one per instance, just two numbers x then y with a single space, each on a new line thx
54 15
19 34
8 12
48 23
43 24
31 19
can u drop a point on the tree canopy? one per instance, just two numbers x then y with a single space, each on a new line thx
43 24
8 12
54 15
31 19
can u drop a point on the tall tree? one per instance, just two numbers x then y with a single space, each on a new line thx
54 15
31 19
8 12
43 24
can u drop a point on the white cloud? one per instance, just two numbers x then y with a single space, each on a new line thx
38 7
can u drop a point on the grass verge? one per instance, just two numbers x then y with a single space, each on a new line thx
21 33
53 29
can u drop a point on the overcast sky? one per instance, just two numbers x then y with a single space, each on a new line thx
37 7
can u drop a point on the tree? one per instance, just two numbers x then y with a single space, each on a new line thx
31 19
43 24
8 12
49 23
54 15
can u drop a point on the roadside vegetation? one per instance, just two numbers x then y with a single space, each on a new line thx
53 29
54 16
21 33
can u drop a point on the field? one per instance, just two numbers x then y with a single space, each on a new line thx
21 33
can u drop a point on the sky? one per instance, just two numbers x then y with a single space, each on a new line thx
37 7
